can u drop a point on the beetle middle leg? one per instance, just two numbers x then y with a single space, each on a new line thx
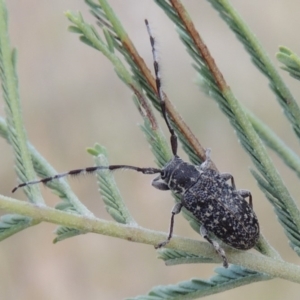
228 176
218 248
176 210
243 193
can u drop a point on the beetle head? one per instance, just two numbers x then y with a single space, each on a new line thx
176 176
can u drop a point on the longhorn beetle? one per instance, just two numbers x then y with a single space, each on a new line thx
218 206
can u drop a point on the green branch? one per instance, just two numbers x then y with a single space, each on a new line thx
262 60
17 135
256 262
74 218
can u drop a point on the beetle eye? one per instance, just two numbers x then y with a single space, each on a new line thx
163 174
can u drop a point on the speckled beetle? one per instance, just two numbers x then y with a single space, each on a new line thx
221 208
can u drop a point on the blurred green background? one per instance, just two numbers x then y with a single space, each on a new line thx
71 98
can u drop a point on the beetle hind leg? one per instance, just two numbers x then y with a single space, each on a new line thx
218 248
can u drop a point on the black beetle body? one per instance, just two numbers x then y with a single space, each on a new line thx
220 208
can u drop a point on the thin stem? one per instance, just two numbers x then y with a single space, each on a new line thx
285 96
44 169
17 134
255 262
200 45
141 65
273 141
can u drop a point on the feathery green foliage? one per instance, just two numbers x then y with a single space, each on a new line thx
289 157
290 61
74 218
262 61
115 36
16 133
237 117
224 280
70 202
110 193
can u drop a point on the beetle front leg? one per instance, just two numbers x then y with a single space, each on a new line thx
207 163
245 194
176 210
219 250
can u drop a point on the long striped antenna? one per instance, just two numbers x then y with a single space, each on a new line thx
161 95
89 170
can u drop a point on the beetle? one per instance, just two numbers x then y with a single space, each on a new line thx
221 209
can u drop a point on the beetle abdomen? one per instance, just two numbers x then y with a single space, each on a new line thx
222 210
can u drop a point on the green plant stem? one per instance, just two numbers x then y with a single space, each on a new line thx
261 153
17 133
44 169
139 64
90 34
286 96
290 158
110 14
256 262
110 193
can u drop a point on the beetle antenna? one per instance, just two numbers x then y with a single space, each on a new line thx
161 95
89 170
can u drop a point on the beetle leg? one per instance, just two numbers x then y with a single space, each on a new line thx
245 194
228 176
219 250
176 210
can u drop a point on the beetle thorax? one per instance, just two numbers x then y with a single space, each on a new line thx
177 176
